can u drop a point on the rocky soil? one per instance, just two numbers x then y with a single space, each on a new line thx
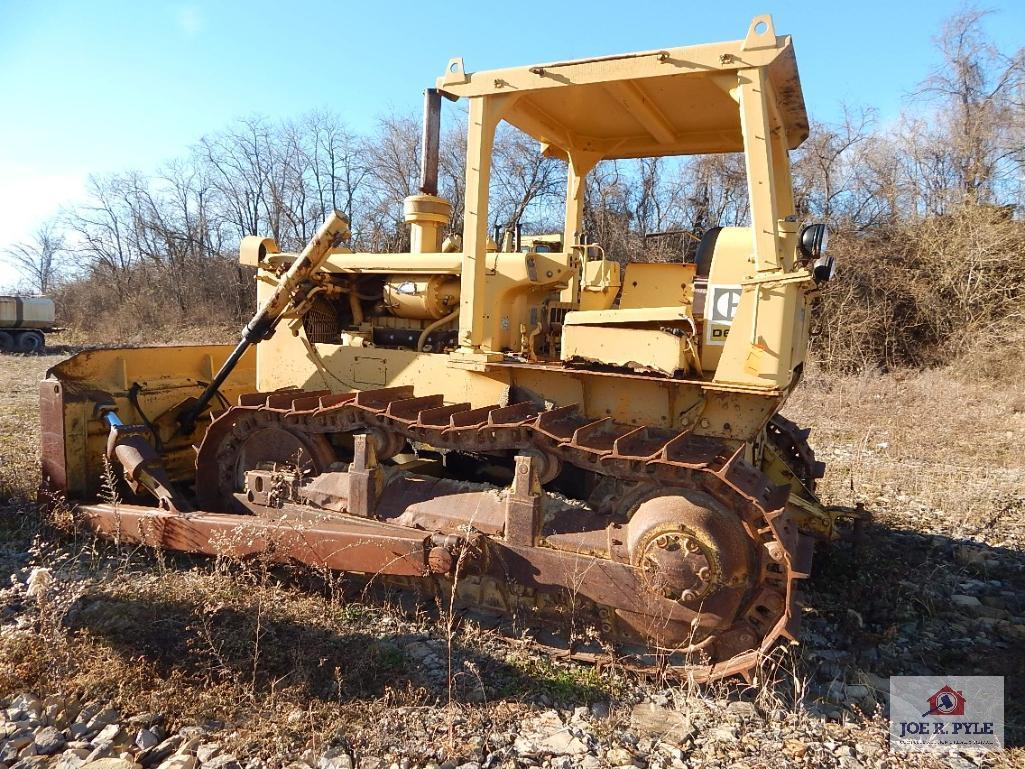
115 659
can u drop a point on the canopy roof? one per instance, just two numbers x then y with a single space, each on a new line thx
674 101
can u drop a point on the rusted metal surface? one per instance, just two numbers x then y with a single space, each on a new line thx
523 505
374 547
130 447
52 435
789 459
744 601
364 478
355 546
703 571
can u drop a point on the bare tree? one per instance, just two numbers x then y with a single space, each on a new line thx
651 200
522 180
240 160
607 210
826 165
977 90
336 162
394 154
452 173
103 230
715 187
41 257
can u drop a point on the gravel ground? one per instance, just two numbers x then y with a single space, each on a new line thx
114 659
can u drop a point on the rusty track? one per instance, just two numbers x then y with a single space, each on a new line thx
670 461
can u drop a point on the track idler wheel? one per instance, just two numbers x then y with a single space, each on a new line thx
276 446
252 444
386 442
691 550
547 466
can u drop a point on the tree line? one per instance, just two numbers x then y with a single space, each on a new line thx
924 212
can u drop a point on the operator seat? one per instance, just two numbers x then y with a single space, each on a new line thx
703 260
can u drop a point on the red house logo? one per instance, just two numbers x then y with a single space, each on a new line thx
946 702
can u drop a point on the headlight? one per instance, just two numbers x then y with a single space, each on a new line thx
813 241
824 268
812 245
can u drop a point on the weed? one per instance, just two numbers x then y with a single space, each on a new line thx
560 683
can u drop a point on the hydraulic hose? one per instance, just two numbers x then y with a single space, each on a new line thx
334 229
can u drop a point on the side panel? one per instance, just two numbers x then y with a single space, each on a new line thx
759 349
657 284
633 347
285 362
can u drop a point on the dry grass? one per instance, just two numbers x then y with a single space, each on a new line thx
19 422
933 449
923 292
127 334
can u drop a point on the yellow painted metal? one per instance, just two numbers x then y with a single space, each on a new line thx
614 340
658 284
353 263
427 216
674 314
630 398
660 102
162 378
485 114
733 261
344 262
579 164
643 348
769 205
653 328
254 249
601 284
409 295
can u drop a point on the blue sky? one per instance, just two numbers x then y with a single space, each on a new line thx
100 86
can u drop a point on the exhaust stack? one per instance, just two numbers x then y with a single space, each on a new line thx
429 142
427 214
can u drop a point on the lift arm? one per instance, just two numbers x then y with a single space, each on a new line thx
333 231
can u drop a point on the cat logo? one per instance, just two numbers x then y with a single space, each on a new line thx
723 301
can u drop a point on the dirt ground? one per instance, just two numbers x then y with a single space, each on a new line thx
284 667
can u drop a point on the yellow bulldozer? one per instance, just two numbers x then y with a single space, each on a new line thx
567 442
